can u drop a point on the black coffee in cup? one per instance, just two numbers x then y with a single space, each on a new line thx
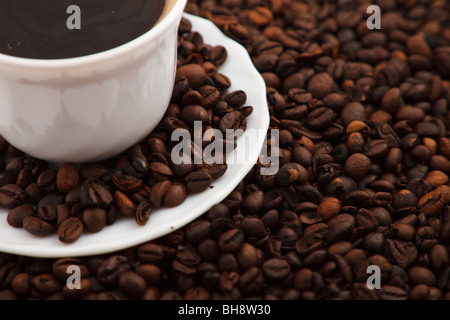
57 29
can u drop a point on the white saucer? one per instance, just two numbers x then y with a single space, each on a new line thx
125 232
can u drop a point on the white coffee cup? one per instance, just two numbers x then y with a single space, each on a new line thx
92 107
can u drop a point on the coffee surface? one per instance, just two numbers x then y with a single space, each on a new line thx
38 28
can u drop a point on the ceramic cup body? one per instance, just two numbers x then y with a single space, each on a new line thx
92 107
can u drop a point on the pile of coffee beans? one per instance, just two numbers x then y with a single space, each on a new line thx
71 200
363 119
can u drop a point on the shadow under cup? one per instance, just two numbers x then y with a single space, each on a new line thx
93 107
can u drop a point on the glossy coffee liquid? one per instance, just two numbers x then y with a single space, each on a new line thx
44 29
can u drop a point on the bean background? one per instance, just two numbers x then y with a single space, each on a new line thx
363 119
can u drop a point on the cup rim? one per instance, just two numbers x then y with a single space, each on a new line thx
171 17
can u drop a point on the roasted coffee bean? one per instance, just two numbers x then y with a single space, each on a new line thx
132 284
439 257
290 174
231 240
198 181
231 121
320 85
341 185
403 253
420 275
136 167
94 218
16 216
194 74
362 176
193 112
319 118
329 207
36 226
357 165
11 196
276 269
353 111
309 243
70 230
95 192
111 268
67 178
376 149
143 212
392 293
175 195
339 228
47 214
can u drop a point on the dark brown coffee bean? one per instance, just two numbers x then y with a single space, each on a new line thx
221 80
404 199
124 204
316 259
231 240
11 196
276 269
60 267
309 243
47 180
403 253
392 100
217 55
319 118
21 284
376 149
47 214
420 275
339 228
426 238
290 174
192 113
94 219
357 165
95 192
341 185
132 284
419 292
374 242
231 121
67 178
353 111
136 167
37 227
237 32
404 231
320 85
392 293
143 212
175 195
15 216
111 268
194 73
251 281
198 181
70 230
158 191
302 156
439 257
236 99
46 283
